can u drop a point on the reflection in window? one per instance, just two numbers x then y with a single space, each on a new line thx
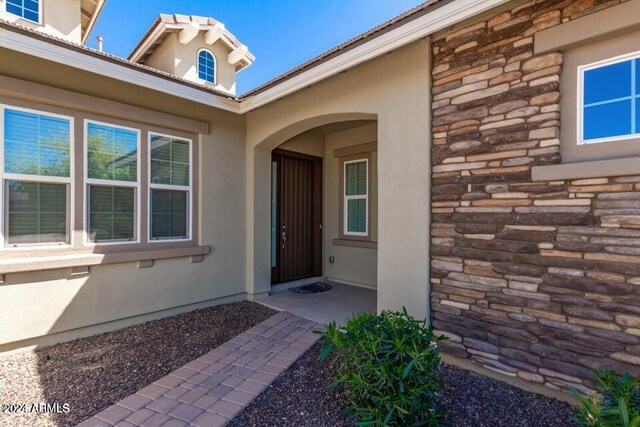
206 66
36 177
112 180
27 9
611 101
170 184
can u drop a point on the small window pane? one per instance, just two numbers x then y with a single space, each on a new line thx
169 210
607 83
112 153
607 120
169 161
637 76
357 216
27 9
37 144
356 178
37 213
206 66
111 213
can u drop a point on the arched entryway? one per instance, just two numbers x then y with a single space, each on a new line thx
318 229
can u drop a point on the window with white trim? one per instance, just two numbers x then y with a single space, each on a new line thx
26 9
112 183
609 107
170 188
206 66
356 197
36 177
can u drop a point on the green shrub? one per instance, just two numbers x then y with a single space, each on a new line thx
615 404
388 366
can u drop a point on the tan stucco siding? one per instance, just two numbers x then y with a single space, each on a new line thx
60 18
352 264
182 60
394 90
54 305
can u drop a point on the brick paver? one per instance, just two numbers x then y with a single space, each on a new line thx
214 388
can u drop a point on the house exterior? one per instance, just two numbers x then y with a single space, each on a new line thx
475 162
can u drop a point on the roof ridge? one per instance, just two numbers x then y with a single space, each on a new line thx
349 44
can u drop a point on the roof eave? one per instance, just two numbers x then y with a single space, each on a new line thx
93 20
447 14
24 40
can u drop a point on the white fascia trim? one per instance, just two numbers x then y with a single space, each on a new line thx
445 16
153 37
83 61
92 21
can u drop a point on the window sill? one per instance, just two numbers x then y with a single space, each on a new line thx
79 259
588 169
355 243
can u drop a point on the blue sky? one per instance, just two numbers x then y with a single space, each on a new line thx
280 33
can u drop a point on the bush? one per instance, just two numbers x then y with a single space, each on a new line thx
388 366
615 404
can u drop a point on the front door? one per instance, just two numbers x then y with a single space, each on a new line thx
296 216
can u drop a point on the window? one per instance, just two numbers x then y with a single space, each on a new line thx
27 9
111 182
170 188
36 177
206 66
610 100
356 198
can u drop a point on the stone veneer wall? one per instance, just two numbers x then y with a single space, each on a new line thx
539 280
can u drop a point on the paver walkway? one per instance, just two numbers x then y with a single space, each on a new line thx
212 389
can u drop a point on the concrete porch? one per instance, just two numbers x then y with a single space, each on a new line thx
336 304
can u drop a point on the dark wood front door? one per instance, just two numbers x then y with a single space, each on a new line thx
296 223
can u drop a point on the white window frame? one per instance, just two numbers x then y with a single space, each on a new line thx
110 183
187 189
39 21
345 205
634 98
4 221
215 67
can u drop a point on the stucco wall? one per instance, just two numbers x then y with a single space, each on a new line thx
60 18
182 60
352 264
390 89
111 296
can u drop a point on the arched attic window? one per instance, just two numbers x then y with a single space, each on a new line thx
206 66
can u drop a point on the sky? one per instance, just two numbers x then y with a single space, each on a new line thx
280 33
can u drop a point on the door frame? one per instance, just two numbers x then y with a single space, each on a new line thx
316 249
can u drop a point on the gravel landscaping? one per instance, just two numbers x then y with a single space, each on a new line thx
93 373
300 397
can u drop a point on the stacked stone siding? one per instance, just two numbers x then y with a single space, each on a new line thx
539 280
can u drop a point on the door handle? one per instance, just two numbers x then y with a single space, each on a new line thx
284 235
